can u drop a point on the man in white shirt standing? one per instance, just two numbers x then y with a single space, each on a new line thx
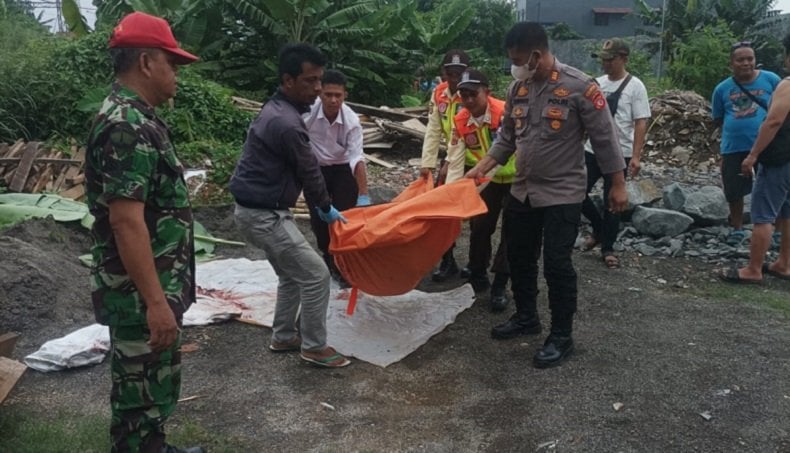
626 96
336 139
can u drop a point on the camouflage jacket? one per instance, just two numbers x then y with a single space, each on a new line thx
130 156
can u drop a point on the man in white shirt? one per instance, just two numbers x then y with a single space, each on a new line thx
336 139
626 97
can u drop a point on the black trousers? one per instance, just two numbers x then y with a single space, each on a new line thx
483 227
554 228
605 228
343 191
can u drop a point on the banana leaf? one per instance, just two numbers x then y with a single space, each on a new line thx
16 207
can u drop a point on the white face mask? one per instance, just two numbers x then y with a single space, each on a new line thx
523 72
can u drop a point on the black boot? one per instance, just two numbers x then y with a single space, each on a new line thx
479 281
555 350
517 325
447 268
465 272
498 300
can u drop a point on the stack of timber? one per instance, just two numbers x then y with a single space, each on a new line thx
382 127
33 168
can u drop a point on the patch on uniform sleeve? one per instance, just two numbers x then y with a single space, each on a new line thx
561 92
442 107
599 102
522 91
454 140
470 139
556 124
591 90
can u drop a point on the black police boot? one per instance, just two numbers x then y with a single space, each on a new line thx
447 268
517 325
172 449
465 272
555 350
498 301
479 282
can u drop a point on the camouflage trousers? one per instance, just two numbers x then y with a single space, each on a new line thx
145 389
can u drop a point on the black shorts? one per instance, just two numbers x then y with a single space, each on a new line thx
736 186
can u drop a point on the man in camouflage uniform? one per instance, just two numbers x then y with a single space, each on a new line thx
549 109
144 269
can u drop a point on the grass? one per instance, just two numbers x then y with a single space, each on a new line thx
24 431
773 295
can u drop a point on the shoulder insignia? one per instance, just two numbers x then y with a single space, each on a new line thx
522 91
561 92
591 90
598 101
555 76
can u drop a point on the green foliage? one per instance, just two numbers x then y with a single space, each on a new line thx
203 111
220 157
563 32
699 61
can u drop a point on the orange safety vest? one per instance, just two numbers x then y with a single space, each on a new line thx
447 107
478 141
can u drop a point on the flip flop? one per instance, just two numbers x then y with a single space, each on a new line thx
327 362
731 276
767 271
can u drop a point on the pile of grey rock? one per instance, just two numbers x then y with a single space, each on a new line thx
680 220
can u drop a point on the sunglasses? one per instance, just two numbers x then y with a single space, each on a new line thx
741 44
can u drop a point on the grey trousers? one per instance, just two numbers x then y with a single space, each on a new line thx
304 277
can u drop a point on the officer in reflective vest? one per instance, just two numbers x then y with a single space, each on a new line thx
445 104
475 130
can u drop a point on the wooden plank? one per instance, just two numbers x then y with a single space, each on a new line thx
393 115
20 175
46 175
75 193
399 127
79 179
10 372
379 161
7 343
379 145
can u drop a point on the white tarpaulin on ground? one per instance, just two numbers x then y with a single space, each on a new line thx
382 330
86 346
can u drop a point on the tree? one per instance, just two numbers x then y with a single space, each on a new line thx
563 32
698 60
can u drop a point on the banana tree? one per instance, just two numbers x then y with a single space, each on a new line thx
196 23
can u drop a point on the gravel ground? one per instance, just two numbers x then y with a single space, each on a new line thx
650 336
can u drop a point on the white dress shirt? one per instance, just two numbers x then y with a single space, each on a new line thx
337 143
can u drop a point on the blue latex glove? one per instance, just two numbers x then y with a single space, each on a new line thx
332 216
363 200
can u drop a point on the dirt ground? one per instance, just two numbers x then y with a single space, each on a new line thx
657 336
